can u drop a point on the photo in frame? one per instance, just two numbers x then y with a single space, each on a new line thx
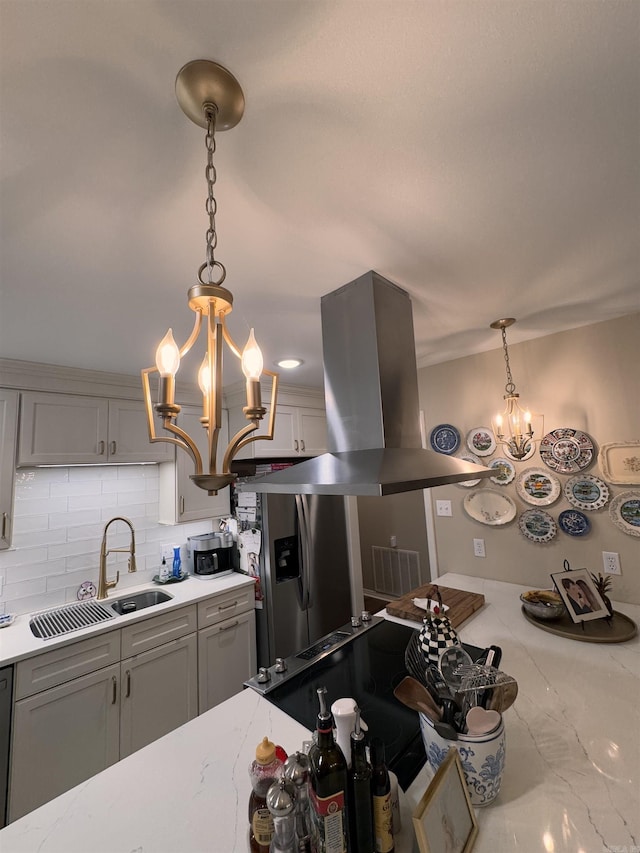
444 820
580 596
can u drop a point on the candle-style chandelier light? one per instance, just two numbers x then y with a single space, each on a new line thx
514 427
212 98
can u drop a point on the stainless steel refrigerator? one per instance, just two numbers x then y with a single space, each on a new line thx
304 572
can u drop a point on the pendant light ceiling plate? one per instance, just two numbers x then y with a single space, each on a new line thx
502 324
202 82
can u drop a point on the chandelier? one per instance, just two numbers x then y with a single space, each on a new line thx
514 428
212 98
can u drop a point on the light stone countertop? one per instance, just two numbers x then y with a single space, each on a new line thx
571 783
17 642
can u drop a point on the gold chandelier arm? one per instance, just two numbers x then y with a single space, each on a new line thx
193 336
235 349
239 440
184 441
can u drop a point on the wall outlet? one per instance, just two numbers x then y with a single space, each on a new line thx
478 548
393 541
443 507
611 563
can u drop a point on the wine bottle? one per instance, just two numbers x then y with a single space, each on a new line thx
381 795
359 800
328 786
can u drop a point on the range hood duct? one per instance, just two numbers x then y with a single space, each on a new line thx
371 394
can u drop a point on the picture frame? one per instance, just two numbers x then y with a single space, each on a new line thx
580 596
444 820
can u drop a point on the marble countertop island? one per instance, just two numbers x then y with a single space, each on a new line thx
571 782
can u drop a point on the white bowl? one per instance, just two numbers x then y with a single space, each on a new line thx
482 757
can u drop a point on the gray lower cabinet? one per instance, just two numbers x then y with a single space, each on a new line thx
63 736
227 658
159 693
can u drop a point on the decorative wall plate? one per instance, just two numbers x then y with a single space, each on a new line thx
574 522
620 462
625 512
481 441
537 525
531 449
469 457
567 450
505 472
489 507
586 491
445 439
537 486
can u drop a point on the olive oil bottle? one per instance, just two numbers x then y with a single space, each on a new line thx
381 794
328 786
359 799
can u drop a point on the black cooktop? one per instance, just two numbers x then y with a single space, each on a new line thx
367 669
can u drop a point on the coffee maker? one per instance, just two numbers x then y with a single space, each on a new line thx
210 554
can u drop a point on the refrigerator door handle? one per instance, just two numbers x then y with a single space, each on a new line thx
302 509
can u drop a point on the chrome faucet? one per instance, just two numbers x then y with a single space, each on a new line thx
103 584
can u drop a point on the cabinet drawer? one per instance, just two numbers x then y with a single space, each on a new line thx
61 665
225 605
160 629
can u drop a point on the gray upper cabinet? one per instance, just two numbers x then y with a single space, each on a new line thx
8 437
65 429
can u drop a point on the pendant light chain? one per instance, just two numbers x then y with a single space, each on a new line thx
510 387
211 206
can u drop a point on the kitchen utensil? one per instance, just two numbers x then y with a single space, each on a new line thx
416 696
476 683
439 690
481 722
449 663
502 696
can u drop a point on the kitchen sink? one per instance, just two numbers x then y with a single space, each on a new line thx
138 601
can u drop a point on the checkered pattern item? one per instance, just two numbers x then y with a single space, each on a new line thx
437 635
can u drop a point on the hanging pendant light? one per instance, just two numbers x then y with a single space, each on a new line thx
514 427
212 98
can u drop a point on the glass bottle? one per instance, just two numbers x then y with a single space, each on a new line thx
381 796
264 771
359 799
328 785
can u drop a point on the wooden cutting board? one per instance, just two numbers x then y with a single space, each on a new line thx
462 604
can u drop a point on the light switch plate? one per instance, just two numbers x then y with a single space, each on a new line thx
443 507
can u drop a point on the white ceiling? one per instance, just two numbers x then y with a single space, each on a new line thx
482 155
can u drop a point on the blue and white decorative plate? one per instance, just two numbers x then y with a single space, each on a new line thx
537 525
585 491
574 522
505 472
445 439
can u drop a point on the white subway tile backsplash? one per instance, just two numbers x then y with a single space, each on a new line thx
59 519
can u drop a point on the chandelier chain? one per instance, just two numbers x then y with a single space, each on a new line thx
510 387
211 206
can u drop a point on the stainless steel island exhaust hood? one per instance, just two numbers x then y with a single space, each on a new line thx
371 394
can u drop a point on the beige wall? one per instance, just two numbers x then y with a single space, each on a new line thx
586 378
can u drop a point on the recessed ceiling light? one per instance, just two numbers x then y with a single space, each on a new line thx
290 363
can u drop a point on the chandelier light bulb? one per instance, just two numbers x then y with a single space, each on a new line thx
167 356
204 376
252 362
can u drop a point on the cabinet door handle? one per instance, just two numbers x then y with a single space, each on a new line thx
5 518
227 606
302 445
112 448
128 690
181 504
295 445
229 627
114 690
101 448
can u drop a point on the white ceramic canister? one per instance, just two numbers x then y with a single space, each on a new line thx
482 758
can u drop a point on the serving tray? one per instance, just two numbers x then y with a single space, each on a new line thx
461 604
619 630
